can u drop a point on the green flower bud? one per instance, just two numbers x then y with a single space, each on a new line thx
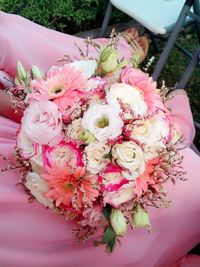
118 222
87 137
21 71
140 218
108 60
37 73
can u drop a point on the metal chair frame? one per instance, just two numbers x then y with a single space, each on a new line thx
171 42
185 12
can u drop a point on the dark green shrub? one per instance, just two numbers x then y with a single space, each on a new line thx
63 15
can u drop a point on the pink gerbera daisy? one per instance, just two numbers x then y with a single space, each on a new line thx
75 189
59 81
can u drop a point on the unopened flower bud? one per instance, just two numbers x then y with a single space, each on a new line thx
108 60
21 71
118 222
140 218
37 72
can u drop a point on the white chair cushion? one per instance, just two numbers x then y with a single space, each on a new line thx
158 16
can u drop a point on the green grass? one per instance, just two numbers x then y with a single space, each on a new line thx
174 68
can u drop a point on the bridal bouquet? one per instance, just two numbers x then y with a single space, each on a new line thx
96 143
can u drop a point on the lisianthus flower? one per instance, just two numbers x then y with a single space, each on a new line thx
65 153
103 121
87 67
142 81
59 80
73 188
42 123
130 97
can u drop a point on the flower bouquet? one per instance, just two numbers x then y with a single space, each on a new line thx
96 143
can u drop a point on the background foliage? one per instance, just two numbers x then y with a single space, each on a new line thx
63 15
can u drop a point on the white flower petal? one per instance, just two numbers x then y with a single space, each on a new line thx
38 187
88 67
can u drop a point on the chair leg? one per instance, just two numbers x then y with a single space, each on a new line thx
155 42
170 43
106 20
189 70
196 7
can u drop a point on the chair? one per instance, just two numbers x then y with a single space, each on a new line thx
163 17
160 18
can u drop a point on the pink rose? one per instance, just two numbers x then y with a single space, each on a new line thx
42 123
64 153
116 188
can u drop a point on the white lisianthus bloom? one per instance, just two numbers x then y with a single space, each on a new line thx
38 188
130 156
88 67
103 121
129 96
95 156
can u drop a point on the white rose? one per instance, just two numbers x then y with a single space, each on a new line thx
103 121
151 132
129 96
130 156
38 188
95 155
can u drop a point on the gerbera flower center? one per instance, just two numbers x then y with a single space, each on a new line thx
57 89
69 186
102 122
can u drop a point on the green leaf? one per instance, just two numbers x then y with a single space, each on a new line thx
106 211
109 235
109 239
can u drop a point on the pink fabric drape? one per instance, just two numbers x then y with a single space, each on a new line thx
34 237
